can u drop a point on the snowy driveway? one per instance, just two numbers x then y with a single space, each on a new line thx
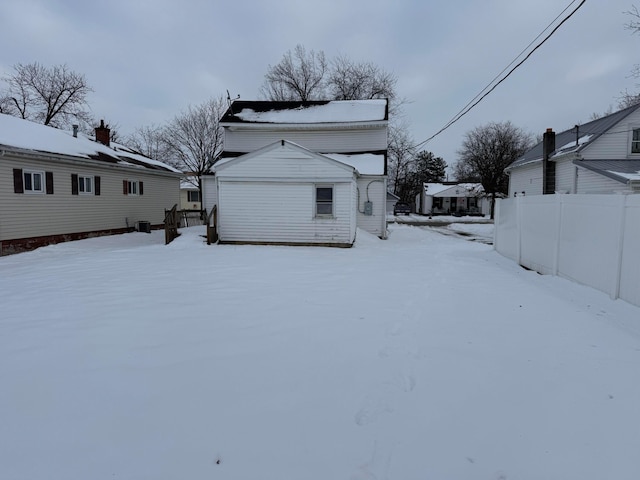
419 357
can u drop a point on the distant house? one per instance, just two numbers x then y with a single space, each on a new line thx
450 198
602 156
190 194
392 199
57 186
306 173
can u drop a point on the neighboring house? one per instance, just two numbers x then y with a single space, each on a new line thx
602 156
450 198
392 199
306 173
57 186
190 194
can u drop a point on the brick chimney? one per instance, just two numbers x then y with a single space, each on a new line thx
548 167
103 134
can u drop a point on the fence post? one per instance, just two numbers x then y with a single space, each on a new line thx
519 230
618 273
559 213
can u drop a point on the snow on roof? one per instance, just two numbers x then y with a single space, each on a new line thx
628 176
458 189
337 111
19 133
189 183
364 163
572 145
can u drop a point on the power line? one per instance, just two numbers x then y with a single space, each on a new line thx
475 101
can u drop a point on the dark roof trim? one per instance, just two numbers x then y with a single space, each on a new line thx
266 106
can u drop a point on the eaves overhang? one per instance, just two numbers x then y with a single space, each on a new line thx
24 153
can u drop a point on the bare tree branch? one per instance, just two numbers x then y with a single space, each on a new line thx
486 151
194 139
298 76
53 96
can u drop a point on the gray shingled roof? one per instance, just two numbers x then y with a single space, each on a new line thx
594 128
620 170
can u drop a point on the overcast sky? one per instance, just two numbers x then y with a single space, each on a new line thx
148 60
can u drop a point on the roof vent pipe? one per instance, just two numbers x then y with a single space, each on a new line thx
75 131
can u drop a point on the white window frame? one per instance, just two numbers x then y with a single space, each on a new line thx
317 202
83 181
635 143
133 187
31 174
191 192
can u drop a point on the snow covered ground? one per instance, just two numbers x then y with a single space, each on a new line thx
420 357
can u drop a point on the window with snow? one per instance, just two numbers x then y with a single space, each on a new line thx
193 196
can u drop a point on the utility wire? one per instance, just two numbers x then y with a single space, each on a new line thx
475 101
512 62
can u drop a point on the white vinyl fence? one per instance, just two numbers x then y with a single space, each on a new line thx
590 239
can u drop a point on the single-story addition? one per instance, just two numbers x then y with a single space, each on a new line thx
300 173
57 186
451 198
266 200
599 157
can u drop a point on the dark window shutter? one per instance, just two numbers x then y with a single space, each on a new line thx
141 190
96 185
125 187
74 184
48 176
18 186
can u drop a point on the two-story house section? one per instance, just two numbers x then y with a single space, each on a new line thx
308 173
598 157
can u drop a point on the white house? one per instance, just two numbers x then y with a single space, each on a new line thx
450 198
602 156
190 194
57 186
301 172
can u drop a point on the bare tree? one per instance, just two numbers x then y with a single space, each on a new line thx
150 141
298 76
349 80
487 150
628 99
195 138
6 105
400 160
53 96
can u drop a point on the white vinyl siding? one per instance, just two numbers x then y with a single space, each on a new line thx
565 176
324 141
377 195
527 179
284 162
616 143
270 196
590 182
25 216
274 212
209 192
